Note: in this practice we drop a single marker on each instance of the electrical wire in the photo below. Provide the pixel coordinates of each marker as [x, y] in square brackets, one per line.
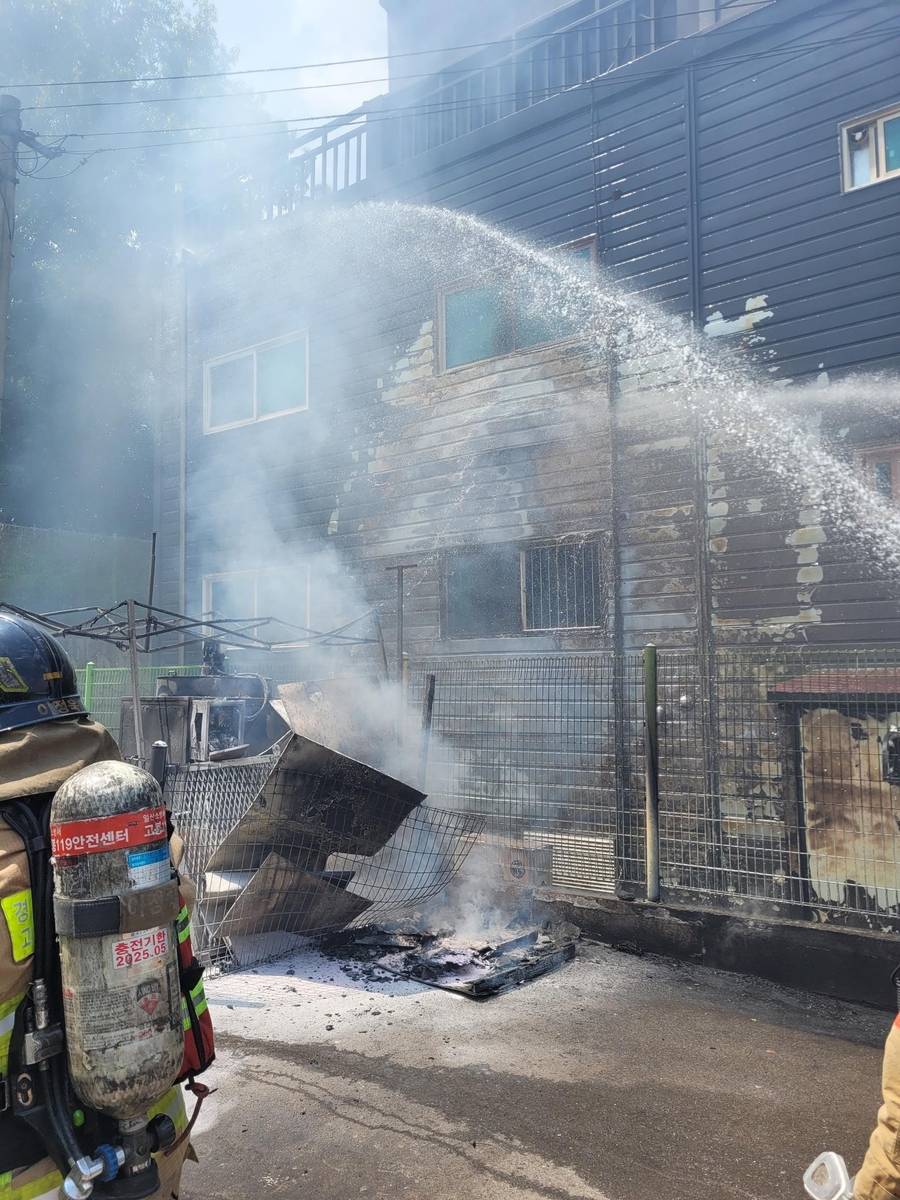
[344, 62]
[313, 124]
[312, 87]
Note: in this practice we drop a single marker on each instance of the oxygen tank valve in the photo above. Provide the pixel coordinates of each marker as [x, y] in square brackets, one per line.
[79, 1183]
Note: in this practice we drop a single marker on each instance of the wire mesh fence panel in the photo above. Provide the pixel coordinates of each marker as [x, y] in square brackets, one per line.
[109, 686]
[302, 843]
[780, 781]
[544, 749]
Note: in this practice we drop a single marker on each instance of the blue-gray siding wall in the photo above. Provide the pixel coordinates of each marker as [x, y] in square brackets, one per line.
[711, 172]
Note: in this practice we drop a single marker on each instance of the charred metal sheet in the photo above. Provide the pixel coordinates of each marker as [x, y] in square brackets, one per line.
[484, 969]
[331, 713]
[317, 800]
[282, 897]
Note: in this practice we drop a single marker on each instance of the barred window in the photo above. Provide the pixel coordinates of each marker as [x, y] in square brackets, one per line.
[561, 587]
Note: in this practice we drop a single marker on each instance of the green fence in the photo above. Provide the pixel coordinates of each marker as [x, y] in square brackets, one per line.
[103, 688]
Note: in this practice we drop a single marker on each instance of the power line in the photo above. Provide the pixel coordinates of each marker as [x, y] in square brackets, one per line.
[429, 107]
[341, 62]
[314, 87]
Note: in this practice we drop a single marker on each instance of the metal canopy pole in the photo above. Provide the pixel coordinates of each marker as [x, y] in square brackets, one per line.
[402, 678]
[135, 685]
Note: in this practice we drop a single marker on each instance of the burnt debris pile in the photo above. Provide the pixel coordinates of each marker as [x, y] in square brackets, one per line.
[476, 967]
[306, 839]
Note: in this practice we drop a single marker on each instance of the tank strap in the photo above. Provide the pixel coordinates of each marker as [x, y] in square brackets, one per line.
[128, 913]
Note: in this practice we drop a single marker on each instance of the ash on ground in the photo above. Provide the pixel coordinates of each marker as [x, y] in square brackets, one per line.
[477, 968]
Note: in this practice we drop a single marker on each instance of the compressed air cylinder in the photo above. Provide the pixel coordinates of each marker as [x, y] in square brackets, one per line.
[115, 902]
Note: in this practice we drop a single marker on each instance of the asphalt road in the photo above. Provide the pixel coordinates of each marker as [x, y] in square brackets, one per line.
[614, 1078]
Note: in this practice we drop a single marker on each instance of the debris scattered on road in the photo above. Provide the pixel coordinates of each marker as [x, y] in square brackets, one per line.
[478, 968]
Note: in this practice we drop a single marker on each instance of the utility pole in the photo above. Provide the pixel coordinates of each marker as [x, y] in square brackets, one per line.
[11, 136]
[10, 132]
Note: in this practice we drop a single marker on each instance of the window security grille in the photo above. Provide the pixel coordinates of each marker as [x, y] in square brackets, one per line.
[561, 587]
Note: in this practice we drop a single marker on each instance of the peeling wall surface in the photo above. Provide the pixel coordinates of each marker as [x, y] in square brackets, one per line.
[851, 812]
[712, 186]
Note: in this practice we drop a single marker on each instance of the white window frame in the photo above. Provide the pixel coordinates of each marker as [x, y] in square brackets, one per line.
[463, 285]
[877, 154]
[255, 575]
[865, 458]
[247, 351]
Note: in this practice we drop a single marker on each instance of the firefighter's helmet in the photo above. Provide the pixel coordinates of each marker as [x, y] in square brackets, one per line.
[37, 680]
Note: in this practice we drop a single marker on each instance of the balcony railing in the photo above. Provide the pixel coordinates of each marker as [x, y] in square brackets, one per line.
[539, 65]
[530, 66]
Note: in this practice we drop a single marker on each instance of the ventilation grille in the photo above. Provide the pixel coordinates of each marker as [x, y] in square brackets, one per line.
[586, 863]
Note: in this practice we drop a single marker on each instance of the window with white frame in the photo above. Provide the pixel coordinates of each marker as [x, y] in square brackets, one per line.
[881, 467]
[274, 601]
[514, 310]
[870, 148]
[257, 383]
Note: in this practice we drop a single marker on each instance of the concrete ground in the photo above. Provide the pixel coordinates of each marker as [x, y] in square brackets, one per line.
[614, 1077]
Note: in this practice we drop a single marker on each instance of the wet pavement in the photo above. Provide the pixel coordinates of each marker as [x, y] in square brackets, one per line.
[613, 1078]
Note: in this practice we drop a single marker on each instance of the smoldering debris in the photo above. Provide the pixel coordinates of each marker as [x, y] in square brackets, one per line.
[477, 968]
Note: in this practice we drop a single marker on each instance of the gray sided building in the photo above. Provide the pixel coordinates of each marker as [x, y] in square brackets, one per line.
[717, 175]
[332, 413]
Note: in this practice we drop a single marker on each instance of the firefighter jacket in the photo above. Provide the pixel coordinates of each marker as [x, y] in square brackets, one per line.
[35, 761]
[879, 1176]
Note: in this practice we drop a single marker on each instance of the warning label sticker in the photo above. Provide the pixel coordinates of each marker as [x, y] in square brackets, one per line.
[140, 948]
[148, 996]
[10, 679]
[146, 868]
[70, 839]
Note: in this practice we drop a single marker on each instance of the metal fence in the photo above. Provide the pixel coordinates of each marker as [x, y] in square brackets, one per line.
[104, 688]
[285, 849]
[778, 774]
[544, 748]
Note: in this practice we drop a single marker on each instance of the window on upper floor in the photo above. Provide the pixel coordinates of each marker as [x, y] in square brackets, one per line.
[263, 381]
[277, 596]
[514, 311]
[870, 149]
[881, 467]
[503, 590]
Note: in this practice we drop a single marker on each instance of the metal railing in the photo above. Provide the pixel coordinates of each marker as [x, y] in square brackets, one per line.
[777, 772]
[534, 68]
[513, 74]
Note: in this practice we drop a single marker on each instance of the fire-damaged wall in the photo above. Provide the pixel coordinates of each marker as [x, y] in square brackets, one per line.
[709, 185]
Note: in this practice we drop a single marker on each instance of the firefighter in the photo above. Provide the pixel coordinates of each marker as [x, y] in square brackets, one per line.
[879, 1176]
[46, 736]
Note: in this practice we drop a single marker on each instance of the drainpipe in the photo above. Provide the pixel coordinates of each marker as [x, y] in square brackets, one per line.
[651, 769]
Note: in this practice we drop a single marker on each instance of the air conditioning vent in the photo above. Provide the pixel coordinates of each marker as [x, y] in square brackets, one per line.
[584, 862]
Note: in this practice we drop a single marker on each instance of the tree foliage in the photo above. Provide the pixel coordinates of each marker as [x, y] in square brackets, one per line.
[94, 236]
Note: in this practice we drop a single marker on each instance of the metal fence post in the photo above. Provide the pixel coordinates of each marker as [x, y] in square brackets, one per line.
[651, 769]
[89, 687]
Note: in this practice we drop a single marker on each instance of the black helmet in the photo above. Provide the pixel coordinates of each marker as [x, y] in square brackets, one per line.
[37, 680]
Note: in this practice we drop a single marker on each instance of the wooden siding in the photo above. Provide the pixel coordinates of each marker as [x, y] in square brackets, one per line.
[709, 180]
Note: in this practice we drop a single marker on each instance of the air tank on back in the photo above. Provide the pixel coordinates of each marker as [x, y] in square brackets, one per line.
[115, 902]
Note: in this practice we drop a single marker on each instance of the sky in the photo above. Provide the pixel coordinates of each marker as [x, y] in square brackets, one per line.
[276, 33]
